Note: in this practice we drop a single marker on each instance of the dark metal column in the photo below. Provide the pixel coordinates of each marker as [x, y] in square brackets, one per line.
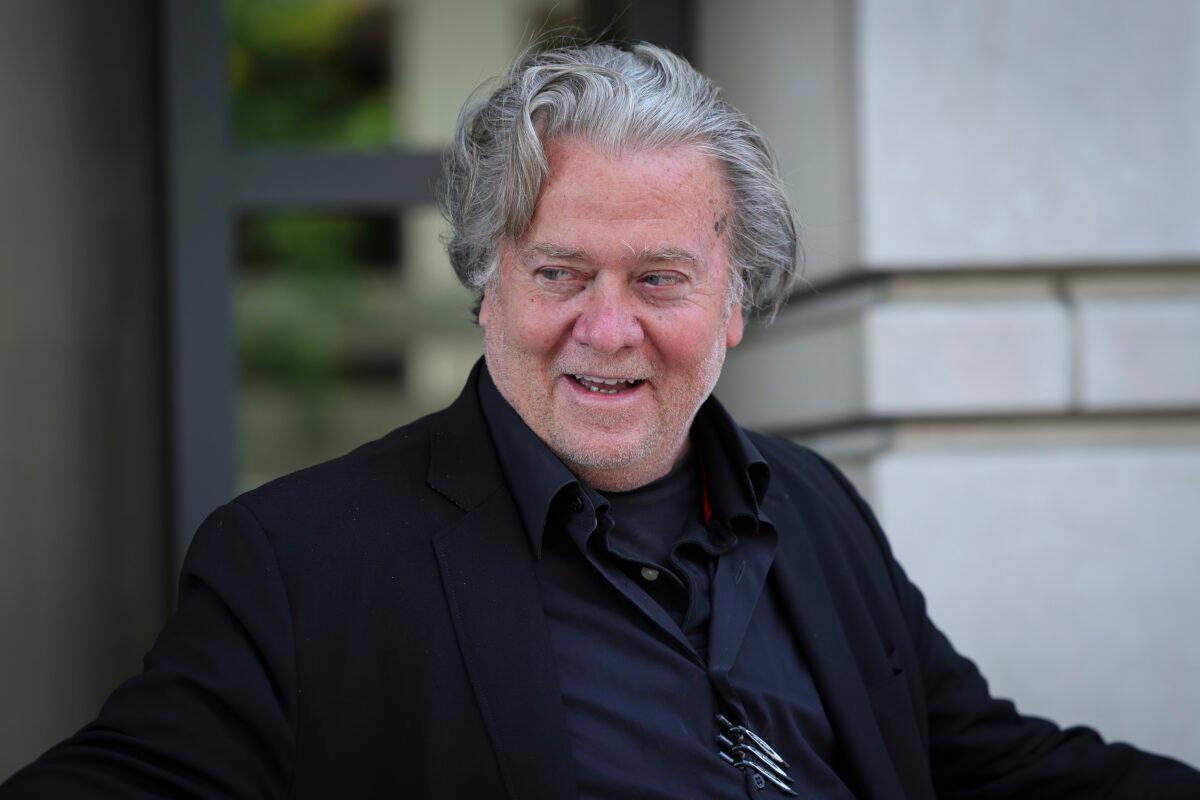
[666, 23]
[200, 360]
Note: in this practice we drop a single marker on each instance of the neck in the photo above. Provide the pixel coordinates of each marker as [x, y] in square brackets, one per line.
[633, 476]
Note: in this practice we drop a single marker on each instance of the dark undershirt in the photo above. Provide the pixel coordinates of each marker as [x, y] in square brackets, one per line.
[660, 540]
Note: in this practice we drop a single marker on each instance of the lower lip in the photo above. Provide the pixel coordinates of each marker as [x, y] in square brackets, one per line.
[623, 396]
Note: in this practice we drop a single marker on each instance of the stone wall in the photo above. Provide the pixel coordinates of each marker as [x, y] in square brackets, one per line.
[1000, 340]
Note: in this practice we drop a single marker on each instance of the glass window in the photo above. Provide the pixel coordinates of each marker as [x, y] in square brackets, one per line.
[344, 331]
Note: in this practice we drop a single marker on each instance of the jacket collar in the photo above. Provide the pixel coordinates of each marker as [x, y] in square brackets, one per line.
[463, 465]
[487, 572]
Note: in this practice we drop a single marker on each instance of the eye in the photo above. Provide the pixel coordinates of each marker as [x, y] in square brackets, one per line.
[559, 280]
[662, 280]
[553, 274]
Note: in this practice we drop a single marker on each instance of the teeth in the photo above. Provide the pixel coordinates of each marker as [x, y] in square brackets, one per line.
[604, 381]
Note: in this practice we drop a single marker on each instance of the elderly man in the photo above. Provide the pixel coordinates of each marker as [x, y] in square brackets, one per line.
[582, 578]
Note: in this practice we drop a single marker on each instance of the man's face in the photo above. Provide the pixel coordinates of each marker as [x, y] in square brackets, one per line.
[622, 277]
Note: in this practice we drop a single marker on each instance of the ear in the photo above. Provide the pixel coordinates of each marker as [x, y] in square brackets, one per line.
[485, 305]
[735, 327]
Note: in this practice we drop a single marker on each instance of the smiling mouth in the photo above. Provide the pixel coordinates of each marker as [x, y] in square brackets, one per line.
[606, 385]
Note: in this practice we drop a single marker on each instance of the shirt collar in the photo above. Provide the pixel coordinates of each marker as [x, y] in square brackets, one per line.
[534, 474]
[736, 475]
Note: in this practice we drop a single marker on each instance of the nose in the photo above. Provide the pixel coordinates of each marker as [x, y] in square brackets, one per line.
[608, 321]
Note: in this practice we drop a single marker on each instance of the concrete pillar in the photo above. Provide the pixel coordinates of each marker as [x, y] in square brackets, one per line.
[82, 547]
[1000, 213]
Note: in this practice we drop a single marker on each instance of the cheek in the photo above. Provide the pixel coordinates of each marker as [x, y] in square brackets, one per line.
[681, 347]
[535, 331]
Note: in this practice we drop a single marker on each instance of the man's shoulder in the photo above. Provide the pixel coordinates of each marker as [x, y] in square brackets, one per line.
[382, 482]
[807, 484]
[796, 465]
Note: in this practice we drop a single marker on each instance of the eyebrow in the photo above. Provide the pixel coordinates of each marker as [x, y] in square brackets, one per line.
[667, 254]
[551, 250]
[554, 251]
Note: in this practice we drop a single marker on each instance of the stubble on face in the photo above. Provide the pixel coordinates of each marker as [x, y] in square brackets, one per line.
[621, 464]
[652, 455]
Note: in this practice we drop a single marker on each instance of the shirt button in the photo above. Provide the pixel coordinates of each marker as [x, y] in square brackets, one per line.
[577, 504]
[649, 573]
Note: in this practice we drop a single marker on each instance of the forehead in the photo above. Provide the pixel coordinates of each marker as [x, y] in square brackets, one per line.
[677, 187]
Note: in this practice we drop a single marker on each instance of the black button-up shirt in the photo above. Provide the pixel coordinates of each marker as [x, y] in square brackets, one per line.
[660, 617]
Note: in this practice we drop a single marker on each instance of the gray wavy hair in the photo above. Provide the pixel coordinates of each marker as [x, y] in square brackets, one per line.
[642, 96]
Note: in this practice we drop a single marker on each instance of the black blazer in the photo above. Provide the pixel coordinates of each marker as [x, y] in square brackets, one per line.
[371, 627]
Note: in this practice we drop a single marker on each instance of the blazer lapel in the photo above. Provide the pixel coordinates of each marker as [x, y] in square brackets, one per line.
[818, 629]
[487, 569]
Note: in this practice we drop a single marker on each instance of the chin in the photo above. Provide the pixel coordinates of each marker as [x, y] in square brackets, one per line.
[599, 451]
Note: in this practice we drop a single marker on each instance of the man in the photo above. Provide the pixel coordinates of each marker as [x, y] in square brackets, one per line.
[582, 578]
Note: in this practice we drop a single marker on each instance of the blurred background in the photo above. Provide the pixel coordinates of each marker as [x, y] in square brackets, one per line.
[220, 262]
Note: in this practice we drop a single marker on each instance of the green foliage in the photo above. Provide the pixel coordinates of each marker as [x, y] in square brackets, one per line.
[309, 72]
[301, 244]
[308, 265]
